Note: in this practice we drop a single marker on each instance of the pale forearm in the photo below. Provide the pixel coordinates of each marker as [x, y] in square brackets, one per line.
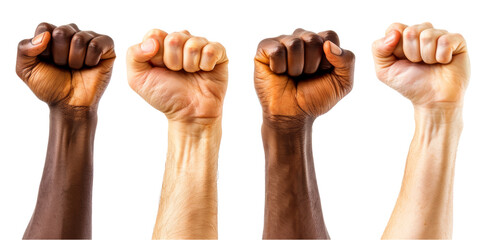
[188, 205]
[424, 207]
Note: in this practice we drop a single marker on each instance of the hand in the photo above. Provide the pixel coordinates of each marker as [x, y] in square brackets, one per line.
[181, 75]
[303, 75]
[428, 66]
[66, 66]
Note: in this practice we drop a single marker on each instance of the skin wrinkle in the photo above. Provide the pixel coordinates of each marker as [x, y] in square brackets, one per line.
[64, 203]
[290, 105]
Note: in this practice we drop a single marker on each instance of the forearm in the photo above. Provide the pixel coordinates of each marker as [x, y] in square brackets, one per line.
[424, 208]
[188, 205]
[292, 203]
[63, 207]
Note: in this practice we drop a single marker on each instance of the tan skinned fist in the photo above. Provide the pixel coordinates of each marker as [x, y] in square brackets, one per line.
[303, 75]
[182, 75]
[428, 66]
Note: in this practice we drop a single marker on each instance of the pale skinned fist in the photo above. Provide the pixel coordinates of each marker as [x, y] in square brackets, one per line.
[428, 66]
[66, 66]
[303, 75]
[181, 75]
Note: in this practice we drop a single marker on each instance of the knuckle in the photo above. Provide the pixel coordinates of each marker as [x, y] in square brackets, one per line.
[427, 35]
[395, 25]
[411, 32]
[277, 51]
[209, 50]
[192, 49]
[73, 25]
[44, 25]
[94, 46]
[59, 33]
[174, 39]
[201, 39]
[263, 43]
[331, 33]
[427, 24]
[313, 40]
[444, 41]
[293, 42]
[157, 32]
[107, 40]
[22, 43]
[218, 45]
[460, 37]
[79, 40]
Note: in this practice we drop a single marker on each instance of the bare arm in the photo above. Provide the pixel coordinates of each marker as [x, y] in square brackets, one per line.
[188, 205]
[430, 67]
[70, 78]
[64, 203]
[292, 202]
[425, 203]
[298, 77]
[185, 77]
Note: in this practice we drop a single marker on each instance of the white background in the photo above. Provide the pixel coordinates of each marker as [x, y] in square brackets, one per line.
[360, 146]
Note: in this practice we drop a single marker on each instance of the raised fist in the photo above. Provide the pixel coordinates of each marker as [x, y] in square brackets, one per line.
[428, 66]
[303, 75]
[64, 65]
[181, 75]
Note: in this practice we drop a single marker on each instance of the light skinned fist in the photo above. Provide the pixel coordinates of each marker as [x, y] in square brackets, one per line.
[303, 75]
[182, 75]
[66, 66]
[428, 66]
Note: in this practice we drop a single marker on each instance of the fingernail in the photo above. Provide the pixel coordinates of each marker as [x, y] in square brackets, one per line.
[148, 46]
[38, 39]
[389, 38]
[335, 49]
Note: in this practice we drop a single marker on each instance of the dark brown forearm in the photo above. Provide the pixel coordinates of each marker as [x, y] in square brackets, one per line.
[292, 202]
[64, 201]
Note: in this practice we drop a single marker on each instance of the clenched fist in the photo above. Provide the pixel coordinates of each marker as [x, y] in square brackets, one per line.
[181, 75]
[428, 66]
[66, 66]
[303, 75]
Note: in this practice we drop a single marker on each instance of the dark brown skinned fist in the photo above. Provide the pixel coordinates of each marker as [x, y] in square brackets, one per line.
[303, 75]
[66, 66]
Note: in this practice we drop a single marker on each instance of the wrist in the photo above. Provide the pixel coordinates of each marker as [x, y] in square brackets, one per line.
[287, 124]
[73, 113]
[287, 144]
[193, 148]
[439, 114]
[196, 130]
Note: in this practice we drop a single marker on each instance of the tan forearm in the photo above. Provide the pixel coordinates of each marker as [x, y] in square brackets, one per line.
[188, 205]
[424, 206]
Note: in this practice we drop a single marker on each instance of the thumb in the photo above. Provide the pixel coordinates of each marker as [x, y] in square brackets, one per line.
[137, 60]
[342, 60]
[28, 50]
[383, 49]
